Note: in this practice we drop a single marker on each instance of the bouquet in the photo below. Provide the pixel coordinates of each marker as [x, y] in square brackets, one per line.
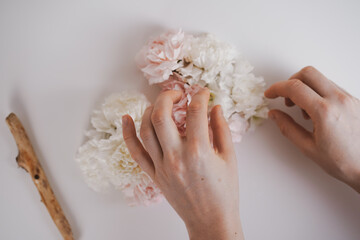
[179, 61]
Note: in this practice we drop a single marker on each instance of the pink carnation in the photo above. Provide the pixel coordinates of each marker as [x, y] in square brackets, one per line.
[144, 193]
[160, 57]
[176, 82]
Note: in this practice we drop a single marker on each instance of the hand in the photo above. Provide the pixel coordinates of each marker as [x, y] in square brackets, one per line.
[199, 181]
[334, 143]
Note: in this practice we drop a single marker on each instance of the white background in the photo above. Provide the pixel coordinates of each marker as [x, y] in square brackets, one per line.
[59, 59]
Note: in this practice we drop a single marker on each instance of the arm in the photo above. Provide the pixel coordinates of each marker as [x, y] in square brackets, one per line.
[334, 144]
[199, 181]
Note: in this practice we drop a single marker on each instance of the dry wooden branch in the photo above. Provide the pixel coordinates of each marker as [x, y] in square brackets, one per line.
[28, 161]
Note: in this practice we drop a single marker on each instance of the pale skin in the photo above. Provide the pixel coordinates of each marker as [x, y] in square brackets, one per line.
[200, 181]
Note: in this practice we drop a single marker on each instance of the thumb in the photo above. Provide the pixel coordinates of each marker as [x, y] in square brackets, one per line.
[221, 133]
[302, 138]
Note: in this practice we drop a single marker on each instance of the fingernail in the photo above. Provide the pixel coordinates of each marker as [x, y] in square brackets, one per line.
[272, 116]
[124, 120]
[220, 110]
[265, 93]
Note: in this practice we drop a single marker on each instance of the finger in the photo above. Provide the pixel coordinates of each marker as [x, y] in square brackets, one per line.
[299, 93]
[161, 118]
[148, 136]
[293, 131]
[315, 80]
[137, 151]
[197, 125]
[222, 139]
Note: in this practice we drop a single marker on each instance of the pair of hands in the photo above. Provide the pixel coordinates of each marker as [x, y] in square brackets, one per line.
[201, 181]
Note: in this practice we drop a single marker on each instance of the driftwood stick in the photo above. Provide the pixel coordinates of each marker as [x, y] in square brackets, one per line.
[28, 161]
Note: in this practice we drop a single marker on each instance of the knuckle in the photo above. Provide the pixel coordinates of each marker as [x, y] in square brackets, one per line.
[284, 129]
[177, 168]
[343, 99]
[328, 113]
[170, 156]
[195, 149]
[323, 108]
[157, 118]
[174, 162]
[166, 95]
[205, 92]
[195, 107]
[127, 136]
[135, 155]
[308, 70]
[295, 84]
[149, 109]
[145, 134]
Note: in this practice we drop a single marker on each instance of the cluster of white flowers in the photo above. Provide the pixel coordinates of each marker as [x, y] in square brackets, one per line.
[105, 160]
[206, 61]
[180, 61]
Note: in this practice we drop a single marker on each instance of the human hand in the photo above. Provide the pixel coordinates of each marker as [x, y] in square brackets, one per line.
[334, 143]
[199, 181]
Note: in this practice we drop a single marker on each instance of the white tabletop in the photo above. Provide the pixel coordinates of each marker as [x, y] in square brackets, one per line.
[59, 59]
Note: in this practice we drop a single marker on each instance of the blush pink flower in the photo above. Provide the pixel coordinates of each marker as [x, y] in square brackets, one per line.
[176, 82]
[161, 56]
[145, 192]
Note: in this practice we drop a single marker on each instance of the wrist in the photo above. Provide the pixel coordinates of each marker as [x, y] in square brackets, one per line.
[225, 228]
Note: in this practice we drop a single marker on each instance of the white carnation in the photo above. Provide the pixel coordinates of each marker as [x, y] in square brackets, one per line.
[247, 94]
[108, 118]
[105, 160]
[106, 163]
[238, 126]
[218, 66]
[213, 56]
